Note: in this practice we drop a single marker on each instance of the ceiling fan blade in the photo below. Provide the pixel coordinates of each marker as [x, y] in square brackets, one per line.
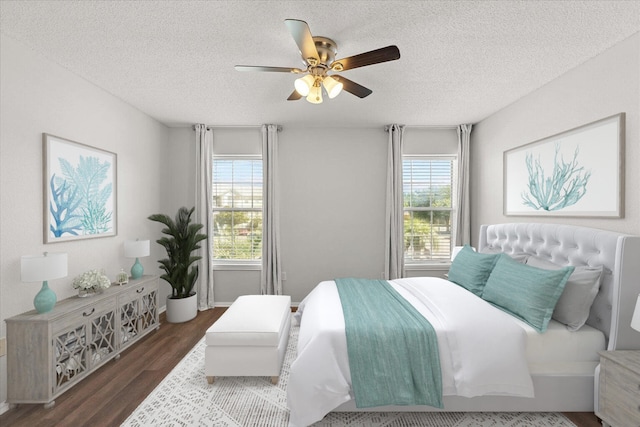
[263, 68]
[384, 54]
[302, 35]
[353, 87]
[294, 96]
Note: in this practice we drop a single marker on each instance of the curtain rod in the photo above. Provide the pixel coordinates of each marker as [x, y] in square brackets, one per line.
[235, 127]
[386, 127]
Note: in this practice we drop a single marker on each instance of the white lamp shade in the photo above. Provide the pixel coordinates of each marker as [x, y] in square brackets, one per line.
[38, 268]
[332, 86]
[315, 95]
[304, 84]
[136, 248]
[635, 320]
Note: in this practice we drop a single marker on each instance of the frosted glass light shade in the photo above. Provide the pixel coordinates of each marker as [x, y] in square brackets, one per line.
[136, 248]
[332, 86]
[304, 84]
[38, 268]
[635, 320]
[315, 95]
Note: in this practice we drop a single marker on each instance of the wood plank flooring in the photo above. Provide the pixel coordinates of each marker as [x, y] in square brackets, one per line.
[108, 396]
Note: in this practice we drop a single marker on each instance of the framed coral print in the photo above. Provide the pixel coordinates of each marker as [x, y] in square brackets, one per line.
[79, 191]
[577, 173]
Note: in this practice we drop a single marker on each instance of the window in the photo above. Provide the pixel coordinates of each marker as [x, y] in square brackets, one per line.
[428, 183]
[237, 209]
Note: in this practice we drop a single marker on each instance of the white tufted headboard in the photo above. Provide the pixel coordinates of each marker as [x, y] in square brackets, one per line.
[619, 254]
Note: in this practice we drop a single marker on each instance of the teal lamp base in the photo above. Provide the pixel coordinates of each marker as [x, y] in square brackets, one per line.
[137, 270]
[45, 300]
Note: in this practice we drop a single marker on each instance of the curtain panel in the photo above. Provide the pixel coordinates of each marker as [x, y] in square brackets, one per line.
[463, 217]
[204, 200]
[271, 280]
[394, 226]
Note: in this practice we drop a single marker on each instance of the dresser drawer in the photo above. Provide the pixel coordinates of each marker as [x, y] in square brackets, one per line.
[80, 316]
[621, 394]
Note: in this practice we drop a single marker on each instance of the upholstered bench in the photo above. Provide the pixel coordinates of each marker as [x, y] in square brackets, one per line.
[250, 338]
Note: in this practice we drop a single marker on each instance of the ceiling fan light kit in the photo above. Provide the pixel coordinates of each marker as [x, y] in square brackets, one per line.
[318, 54]
[304, 84]
[332, 86]
[315, 95]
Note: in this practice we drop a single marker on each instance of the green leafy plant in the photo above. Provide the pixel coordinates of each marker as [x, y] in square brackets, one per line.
[182, 239]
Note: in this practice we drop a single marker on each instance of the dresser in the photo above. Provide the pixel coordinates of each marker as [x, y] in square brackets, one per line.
[49, 353]
[619, 388]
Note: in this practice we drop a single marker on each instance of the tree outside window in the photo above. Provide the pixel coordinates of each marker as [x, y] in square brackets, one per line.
[237, 209]
[427, 184]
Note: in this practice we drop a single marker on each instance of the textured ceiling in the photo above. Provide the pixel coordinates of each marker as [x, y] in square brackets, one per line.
[460, 60]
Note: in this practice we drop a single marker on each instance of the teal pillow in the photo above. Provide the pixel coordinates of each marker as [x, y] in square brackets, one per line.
[527, 292]
[471, 269]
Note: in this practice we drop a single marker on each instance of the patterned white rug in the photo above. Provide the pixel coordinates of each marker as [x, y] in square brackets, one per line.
[184, 398]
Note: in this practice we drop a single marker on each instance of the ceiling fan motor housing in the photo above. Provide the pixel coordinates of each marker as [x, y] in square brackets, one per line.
[327, 50]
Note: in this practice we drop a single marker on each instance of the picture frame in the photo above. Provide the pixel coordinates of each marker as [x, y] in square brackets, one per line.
[80, 190]
[576, 173]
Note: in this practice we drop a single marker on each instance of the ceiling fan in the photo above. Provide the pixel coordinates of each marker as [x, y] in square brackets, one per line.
[318, 55]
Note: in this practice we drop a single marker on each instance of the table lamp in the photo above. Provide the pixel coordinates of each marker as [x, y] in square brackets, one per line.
[136, 249]
[635, 320]
[36, 268]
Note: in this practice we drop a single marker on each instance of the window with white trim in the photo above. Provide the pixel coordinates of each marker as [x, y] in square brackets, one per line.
[428, 186]
[237, 209]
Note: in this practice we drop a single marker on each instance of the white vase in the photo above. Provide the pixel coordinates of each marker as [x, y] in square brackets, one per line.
[181, 310]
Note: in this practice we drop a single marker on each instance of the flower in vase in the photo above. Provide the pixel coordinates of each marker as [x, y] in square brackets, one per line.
[91, 280]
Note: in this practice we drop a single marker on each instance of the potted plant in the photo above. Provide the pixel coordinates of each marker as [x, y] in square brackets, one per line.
[182, 239]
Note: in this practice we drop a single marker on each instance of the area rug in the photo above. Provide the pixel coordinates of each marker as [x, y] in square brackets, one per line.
[184, 398]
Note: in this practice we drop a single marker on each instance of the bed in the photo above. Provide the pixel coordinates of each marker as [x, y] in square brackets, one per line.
[561, 365]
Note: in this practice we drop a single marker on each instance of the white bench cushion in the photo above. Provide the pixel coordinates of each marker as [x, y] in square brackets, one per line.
[252, 320]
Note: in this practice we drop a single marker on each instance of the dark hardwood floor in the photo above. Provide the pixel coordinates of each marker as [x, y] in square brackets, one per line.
[109, 395]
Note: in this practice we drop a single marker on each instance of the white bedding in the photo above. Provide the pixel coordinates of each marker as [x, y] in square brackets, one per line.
[560, 351]
[482, 349]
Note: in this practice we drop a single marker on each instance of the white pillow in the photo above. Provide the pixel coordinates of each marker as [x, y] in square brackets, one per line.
[521, 257]
[579, 292]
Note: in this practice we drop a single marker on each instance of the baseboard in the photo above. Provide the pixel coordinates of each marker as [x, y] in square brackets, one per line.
[4, 407]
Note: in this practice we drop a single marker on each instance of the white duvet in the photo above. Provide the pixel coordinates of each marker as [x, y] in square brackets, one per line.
[482, 349]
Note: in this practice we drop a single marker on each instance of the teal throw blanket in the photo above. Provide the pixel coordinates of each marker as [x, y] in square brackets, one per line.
[392, 348]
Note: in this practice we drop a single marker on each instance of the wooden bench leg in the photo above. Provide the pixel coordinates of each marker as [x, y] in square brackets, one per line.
[274, 380]
[210, 380]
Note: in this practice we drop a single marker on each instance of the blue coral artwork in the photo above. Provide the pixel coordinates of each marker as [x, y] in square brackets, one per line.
[562, 186]
[80, 189]
[574, 173]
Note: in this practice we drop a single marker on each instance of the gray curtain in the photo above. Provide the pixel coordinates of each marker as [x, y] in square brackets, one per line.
[463, 216]
[204, 170]
[271, 281]
[394, 225]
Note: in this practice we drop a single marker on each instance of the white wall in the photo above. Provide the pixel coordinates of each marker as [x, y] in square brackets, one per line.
[605, 85]
[332, 205]
[39, 96]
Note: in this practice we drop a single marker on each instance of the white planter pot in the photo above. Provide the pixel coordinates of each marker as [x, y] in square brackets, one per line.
[182, 309]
